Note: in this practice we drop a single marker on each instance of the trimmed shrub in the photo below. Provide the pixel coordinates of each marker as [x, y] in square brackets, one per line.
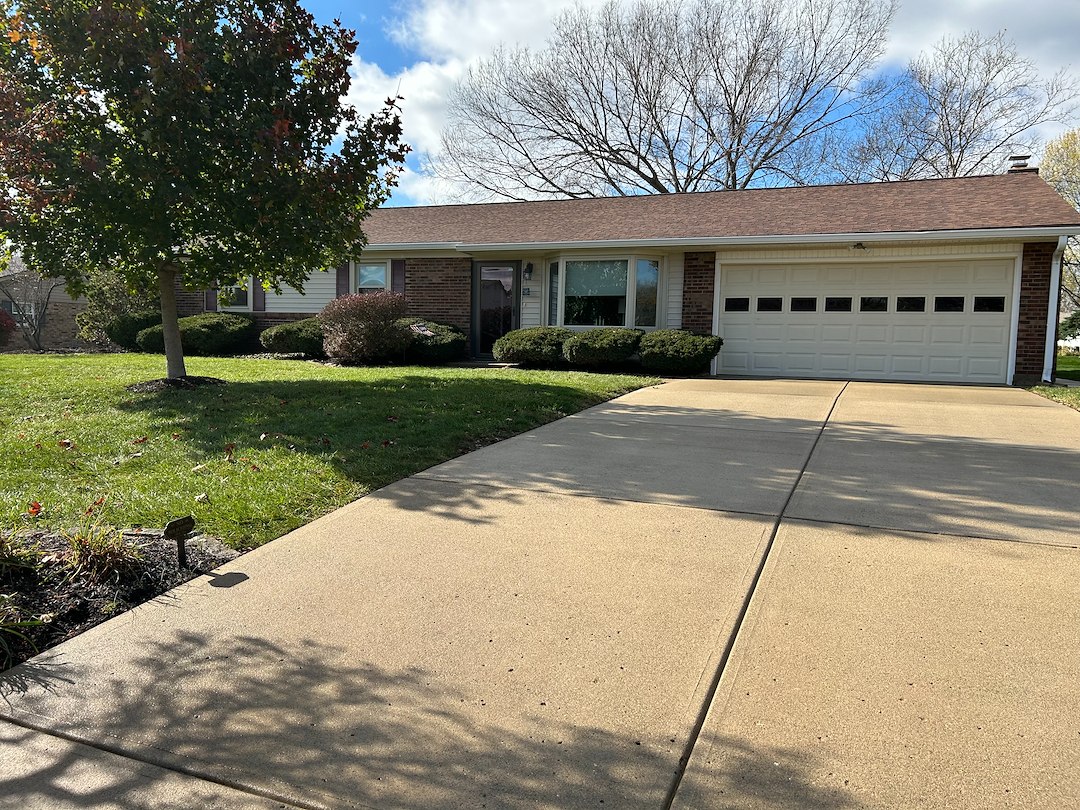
[211, 333]
[123, 330]
[7, 327]
[602, 347]
[674, 351]
[534, 346]
[432, 342]
[365, 328]
[296, 337]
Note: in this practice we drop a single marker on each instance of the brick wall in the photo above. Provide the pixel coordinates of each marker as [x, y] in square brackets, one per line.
[58, 332]
[1034, 300]
[440, 289]
[189, 302]
[699, 275]
[265, 320]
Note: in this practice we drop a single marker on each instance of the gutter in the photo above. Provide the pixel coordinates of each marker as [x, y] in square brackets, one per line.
[1021, 234]
[1050, 354]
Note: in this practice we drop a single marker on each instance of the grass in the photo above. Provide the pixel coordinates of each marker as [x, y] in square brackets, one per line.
[283, 443]
[1068, 367]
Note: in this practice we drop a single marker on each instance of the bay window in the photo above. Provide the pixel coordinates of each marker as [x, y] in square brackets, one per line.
[622, 291]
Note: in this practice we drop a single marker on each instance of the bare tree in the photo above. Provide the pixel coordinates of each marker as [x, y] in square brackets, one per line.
[26, 295]
[1061, 169]
[660, 97]
[960, 109]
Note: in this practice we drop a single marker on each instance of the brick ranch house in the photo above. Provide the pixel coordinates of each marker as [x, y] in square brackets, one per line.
[952, 280]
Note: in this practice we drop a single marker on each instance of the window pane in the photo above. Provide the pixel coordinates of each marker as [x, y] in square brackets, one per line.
[838, 305]
[236, 297]
[595, 293]
[949, 303]
[648, 278]
[553, 294]
[911, 303]
[989, 303]
[803, 304]
[874, 303]
[371, 276]
[770, 305]
[736, 305]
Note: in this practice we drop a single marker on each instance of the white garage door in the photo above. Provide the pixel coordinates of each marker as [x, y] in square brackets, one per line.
[947, 321]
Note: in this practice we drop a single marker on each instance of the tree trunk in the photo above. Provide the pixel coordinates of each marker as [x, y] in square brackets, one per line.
[174, 351]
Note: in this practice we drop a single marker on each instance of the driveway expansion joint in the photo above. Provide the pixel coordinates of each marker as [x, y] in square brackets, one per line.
[740, 619]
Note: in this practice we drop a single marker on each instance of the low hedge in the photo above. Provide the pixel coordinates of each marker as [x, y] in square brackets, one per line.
[533, 346]
[602, 347]
[123, 330]
[211, 333]
[433, 343]
[674, 351]
[295, 337]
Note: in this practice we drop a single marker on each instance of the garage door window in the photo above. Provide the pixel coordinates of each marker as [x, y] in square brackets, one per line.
[949, 303]
[873, 303]
[770, 305]
[911, 303]
[838, 305]
[736, 305]
[989, 303]
[804, 305]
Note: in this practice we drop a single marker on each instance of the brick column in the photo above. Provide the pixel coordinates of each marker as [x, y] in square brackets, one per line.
[440, 289]
[699, 276]
[1034, 302]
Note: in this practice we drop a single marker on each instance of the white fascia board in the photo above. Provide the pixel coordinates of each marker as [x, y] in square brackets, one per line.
[405, 247]
[1053, 232]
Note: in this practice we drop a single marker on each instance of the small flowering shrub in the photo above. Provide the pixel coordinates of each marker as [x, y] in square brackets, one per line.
[7, 328]
[365, 329]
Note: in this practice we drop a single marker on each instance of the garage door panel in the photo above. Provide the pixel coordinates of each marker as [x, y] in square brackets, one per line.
[872, 344]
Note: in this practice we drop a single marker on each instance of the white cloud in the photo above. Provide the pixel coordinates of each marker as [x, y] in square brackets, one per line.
[449, 35]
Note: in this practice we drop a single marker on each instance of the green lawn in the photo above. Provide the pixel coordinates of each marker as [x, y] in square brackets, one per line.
[283, 443]
[1068, 366]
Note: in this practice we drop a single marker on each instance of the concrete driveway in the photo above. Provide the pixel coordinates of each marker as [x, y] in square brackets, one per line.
[709, 594]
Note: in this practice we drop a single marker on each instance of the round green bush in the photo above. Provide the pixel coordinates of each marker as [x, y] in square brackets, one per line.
[535, 346]
[673, 351]
[602, 347]
[364, 328]
[295, 337]
[123, 330]
[432, 342]
[211, 333]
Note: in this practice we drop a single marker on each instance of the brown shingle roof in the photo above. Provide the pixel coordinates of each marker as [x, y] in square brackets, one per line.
[1018, 200]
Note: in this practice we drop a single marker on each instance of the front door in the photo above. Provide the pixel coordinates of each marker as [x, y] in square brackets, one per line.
[495, 291]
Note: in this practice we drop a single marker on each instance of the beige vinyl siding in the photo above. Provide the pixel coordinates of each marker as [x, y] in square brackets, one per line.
[320, 290]
[671, 316]
[532, 305]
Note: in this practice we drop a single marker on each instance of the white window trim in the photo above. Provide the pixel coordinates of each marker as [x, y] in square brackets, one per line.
[249, 286]
[22, 312]
[631, 260]
[354, 274]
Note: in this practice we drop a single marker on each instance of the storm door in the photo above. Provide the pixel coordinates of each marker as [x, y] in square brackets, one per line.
[495, 303]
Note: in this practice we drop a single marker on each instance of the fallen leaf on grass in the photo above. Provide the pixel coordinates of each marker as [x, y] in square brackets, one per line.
[202, 497]
[141, 440]
[67, 444]
[365, 445]
[176, 436]
[392, 418]
[229, 448]
[198, 467]
[35, 509]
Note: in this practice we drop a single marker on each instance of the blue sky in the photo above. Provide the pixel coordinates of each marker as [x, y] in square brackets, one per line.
[420, 48]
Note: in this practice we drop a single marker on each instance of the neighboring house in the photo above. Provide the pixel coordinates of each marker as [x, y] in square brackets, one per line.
[42, 309]
[943, 280]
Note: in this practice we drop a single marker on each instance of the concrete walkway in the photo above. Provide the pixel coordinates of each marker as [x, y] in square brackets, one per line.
[710, 594]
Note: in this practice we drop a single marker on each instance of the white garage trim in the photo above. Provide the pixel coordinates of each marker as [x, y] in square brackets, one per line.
[714, 366]
[1014, 328]
[1052, 311]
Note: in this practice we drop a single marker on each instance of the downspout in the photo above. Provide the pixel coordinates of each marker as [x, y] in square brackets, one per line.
[1050, 355]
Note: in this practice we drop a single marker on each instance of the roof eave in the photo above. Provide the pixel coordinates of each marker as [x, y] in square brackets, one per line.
[967, 234]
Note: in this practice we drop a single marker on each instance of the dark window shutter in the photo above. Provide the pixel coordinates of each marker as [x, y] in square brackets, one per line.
[397, 276]
[258, 296]
[344, 286]
[210, 305]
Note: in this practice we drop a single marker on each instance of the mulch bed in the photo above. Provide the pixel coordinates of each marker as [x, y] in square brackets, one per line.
[167, 383]
[74, 603]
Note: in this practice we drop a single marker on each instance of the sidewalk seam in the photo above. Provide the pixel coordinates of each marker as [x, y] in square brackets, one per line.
[740, 619]
[120, 751]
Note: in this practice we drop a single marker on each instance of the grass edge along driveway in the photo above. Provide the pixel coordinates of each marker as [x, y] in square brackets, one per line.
[281, 444]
